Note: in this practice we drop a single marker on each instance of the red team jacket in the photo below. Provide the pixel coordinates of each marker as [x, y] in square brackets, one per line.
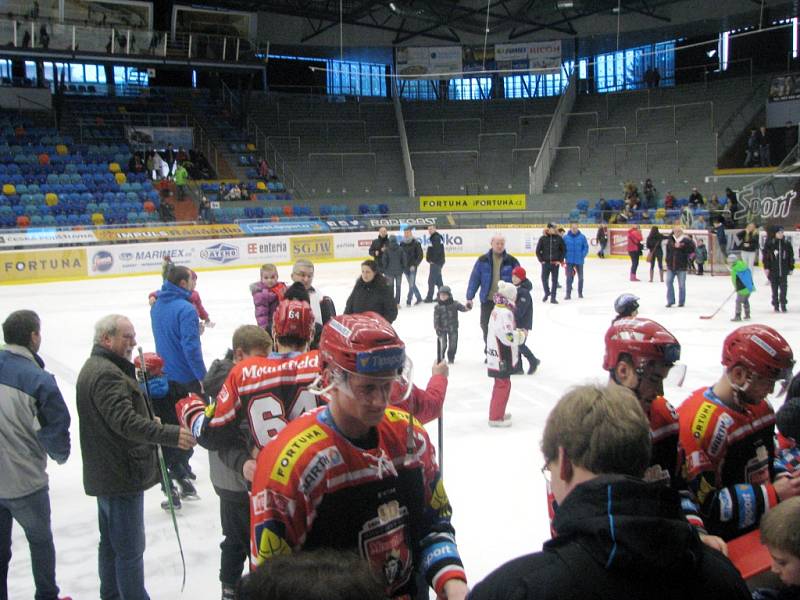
[261, 394]
[729, 461]
[316, 488]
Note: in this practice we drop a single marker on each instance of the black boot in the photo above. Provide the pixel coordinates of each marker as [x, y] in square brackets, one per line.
[176, 500]
[534, 364]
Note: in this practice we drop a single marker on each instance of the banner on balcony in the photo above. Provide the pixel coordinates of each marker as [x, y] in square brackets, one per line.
[159, 137]
[435, 62]
[529, 56]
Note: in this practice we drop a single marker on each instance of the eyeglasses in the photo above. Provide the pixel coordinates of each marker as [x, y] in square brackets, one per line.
[546, 473]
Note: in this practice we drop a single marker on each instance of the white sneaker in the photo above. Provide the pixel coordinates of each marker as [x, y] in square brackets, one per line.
[503, 423]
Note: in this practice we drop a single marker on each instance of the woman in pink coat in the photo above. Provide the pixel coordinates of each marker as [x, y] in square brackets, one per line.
[634, 249]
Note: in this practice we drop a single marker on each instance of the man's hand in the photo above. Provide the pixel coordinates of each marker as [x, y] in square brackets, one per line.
[186, 440]
[249, 469]
[787, 487]
[455, 589]
[151, 300]
[468, 304]
[715, 542]
[440, 368]
[412, 268]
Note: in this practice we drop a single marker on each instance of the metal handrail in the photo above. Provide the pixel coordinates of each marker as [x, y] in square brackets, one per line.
[647, 152]
[675, 108]
[624, 129]
[342, 155]
[555, 149]
[284, 171]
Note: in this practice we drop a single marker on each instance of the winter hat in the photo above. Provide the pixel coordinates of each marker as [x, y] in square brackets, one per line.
[788, 419]
[507, 290]
[445, 289]
[732, 257]
[519, 272]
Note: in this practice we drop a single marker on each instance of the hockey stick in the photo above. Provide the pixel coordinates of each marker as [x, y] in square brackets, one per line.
[440, 425]
[719, 308]
[165, 480]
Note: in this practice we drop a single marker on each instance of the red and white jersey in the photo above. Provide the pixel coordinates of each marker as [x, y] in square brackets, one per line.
[315, 488]
[502, 340]
[265, 393]
[728, 461]
[665, 460]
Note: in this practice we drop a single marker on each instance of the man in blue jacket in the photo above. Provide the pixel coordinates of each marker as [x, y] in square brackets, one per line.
[577, 249]
[176, 329]
[35, 425]
[490, 268]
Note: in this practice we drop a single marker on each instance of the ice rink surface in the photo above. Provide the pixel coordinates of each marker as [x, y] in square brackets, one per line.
[491, 475]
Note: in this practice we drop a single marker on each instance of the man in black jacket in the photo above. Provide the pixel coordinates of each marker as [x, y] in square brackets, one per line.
[378, 245]
[412, 250]
[778, 259]
[616, 535]
[551, 252]
[118, 448]
[435, 257]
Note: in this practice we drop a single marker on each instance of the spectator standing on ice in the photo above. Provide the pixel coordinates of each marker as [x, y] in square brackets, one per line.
[435, 258]
[550, 250]
[634, 249]
[577, 247]
[679, 248]
[412, 251]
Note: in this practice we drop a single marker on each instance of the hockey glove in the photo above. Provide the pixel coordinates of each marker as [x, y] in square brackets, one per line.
[189, 409]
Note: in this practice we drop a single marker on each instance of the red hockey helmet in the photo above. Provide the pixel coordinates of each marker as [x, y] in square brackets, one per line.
[363, 343]
[153, 364]
[761, 350]
[293, 318]
[643, 339]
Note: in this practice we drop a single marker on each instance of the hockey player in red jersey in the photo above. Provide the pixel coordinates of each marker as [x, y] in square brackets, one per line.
[640, 353]
[727, 433]
[260, 395]
[358, 474]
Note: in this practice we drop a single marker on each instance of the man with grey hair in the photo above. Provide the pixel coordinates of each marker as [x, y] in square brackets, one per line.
[118, 447]
[495, 265]
[322, 306]
[35, 425]
[617, 536]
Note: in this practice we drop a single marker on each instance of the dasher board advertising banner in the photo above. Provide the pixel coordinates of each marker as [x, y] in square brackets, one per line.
[434, 61]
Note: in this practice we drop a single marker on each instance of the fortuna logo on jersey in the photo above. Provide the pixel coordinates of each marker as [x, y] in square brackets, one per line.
[293, 450]
[702, 419]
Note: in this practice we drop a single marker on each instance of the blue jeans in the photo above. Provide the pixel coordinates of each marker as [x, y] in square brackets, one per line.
[33, 514]
[434, 279]
[397, 280]
[121, 552]
[681, 275]
[572, 269]
[411, 278]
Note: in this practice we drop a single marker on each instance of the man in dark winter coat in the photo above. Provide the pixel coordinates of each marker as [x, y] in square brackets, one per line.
[378, 245]
[523, 317]
[778, 259]
[118, 448]
[445, 324]
[435, 257]
[371, 293]
[616, 535]
[679, 247]
[490, 268]
[551, 252]
[412, 250]
[393, 265]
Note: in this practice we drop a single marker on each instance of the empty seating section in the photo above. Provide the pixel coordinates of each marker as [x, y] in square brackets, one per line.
[475, 147]
[667, 134]
[337, 148]
[49, 180]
